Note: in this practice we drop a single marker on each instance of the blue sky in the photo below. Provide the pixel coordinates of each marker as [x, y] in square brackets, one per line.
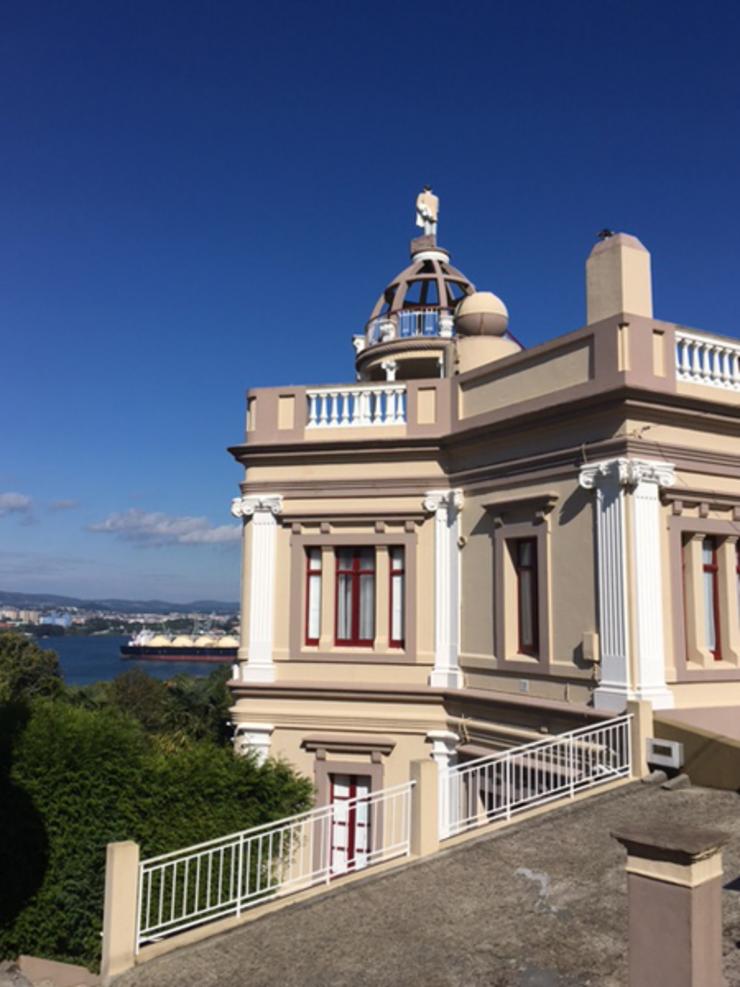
[200, 197]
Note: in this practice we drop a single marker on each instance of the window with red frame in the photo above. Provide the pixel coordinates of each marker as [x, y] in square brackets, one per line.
[396, 594]
[355, 605]
[525, 565]
[313, 595]
[710, 575]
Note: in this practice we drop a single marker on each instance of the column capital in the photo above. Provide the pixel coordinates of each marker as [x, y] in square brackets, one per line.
[436, 500]
[627, 472]
[246, 506]
[444, 743]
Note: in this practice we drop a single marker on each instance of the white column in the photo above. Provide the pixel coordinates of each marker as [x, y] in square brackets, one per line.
[613, 481]
[646, 478]
[446, 506]
[444, 754]
[253, 738]
[259, 573]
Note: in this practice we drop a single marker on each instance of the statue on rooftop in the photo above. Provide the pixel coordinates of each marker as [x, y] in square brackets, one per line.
[427, 210]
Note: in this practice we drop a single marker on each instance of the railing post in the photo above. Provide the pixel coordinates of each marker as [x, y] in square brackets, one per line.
[425, 822]
[571, 768]
[640, 728]
[240, 875]
[507, 785]
[120, 911]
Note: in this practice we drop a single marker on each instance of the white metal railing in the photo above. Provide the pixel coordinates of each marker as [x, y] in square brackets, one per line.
[225, 876]
[356, 405]
[408, 322]
[707, 360]
[498, 786]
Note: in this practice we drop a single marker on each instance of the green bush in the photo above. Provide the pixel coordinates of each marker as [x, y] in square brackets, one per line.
[27, 671]
[76, 779]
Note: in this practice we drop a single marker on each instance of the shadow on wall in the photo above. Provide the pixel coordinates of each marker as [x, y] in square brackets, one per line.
[24, 847]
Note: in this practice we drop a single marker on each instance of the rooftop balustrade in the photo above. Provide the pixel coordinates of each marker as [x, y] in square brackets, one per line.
[707, 360]
[362, 405]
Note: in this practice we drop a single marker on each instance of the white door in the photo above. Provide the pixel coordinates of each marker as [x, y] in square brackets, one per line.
[350, 831]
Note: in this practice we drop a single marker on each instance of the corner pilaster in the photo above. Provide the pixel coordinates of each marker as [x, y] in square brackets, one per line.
[618, 482]
[258, 584]
[446, 506]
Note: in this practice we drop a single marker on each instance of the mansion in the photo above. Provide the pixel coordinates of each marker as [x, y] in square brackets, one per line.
[475, 544]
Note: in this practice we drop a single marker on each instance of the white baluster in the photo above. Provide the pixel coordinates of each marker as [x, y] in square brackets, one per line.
[380, 395]
[345, 408]
[311, 409]
[401, 408]
[686, 358]
[390, 408]
[361, 409]
[323, 415]
[696, 359]
[334, 408]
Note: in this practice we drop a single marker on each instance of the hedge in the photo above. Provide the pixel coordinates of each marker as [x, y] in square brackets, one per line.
[74, 779]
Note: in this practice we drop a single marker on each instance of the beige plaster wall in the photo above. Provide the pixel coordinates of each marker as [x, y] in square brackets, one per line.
[544, 374]
[571, 576]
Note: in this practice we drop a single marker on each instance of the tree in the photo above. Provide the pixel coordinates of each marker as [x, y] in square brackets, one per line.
[26, 671]
[143, 697]
[80, 778]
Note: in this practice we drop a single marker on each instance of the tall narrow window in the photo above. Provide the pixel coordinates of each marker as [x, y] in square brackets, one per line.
[355, 596]
[397, 588]
[313, 595]
[525, 563]
[710, 571]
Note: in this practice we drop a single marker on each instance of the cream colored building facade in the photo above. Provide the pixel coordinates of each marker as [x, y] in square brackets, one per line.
[476, 544]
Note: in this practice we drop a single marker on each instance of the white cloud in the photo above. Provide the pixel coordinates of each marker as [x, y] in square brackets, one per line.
[14, 503]
[156, 528]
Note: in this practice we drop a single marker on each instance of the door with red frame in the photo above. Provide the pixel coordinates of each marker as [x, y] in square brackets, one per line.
[350, 826]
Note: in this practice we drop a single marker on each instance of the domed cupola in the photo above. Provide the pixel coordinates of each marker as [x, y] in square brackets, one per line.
[414, 327]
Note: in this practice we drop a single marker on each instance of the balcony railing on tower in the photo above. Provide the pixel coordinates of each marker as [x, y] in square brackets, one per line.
[357, 405]
[410, 323]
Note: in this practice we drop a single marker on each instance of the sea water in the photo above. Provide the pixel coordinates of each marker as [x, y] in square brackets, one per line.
[98, 658]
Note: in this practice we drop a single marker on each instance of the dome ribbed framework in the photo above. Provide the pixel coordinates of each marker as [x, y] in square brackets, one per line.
[430, 281]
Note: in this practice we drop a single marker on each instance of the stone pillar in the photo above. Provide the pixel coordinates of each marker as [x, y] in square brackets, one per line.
[258, 573]
[253, 738]
[614, 481]
[119, 909]
[674, 886]
[425, 808]
[444, 754]
[446, 506]
[641, 727]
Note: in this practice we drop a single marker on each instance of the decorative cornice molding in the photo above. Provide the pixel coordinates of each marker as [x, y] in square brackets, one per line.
[539, 504]
[627, 472]
[245, 507]
[437, 499]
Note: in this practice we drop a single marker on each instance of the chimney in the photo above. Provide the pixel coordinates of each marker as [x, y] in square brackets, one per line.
[618, 278]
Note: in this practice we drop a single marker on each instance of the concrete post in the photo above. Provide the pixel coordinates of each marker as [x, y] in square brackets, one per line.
[674, 885]
[425, 808]
[641, 727]
[119, 916]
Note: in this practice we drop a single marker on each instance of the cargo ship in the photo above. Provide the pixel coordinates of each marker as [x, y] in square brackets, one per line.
[154, 646]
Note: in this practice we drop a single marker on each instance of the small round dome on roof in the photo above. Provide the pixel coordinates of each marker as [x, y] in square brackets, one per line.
[481, 314]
